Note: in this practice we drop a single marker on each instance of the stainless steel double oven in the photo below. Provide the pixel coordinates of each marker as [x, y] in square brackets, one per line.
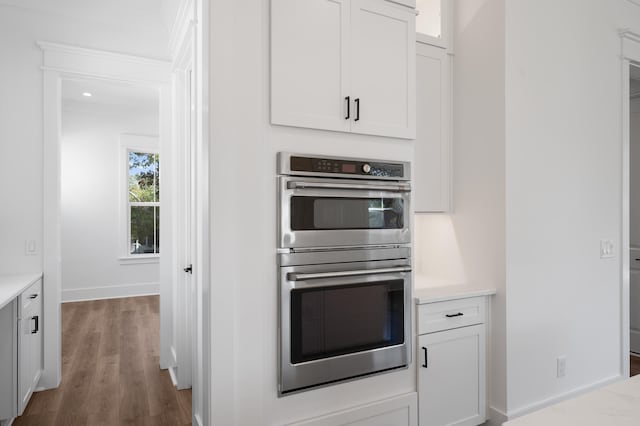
[344, 269]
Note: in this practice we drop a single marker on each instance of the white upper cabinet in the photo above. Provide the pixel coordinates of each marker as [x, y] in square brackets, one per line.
[432, 164]
[383, 77]
[343, 65]
[433, 22]
[310, 63]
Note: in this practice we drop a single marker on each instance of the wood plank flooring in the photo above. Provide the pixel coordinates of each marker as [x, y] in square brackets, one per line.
[110, 370]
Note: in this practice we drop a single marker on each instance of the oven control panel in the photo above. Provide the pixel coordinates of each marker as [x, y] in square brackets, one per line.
[346, 167]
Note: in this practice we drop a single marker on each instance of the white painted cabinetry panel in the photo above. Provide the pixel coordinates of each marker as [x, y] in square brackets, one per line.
[8, 361]
[29, 347]
[343, 65]
[432, 170]
[21, 360]
[451, 362]
[310, 63]
[451, 377]
[383, 77]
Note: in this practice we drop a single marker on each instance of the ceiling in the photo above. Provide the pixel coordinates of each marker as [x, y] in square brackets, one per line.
[129, 13]
[109, 93]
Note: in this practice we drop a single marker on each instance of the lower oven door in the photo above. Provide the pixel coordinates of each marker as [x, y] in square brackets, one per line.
[343, 321]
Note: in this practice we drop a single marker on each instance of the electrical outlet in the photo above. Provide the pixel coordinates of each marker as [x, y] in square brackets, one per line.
[561, 364]
[606, 249]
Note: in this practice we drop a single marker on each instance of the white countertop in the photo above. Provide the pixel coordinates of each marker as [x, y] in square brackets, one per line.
[613, 405]
[12, 285]
[449, 292]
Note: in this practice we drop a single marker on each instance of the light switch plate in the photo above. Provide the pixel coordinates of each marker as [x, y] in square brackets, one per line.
[606, 249]
[30, 248]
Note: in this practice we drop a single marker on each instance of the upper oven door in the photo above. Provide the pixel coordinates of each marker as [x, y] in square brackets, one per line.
[338, 212]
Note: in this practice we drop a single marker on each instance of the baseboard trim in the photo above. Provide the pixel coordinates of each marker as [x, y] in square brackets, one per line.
[110, 292]
[496, 417]
[563, 396]
[172, 374]
[196, 420]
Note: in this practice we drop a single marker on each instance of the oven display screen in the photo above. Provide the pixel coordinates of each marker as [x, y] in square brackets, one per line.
[348, 168]
[337, 320]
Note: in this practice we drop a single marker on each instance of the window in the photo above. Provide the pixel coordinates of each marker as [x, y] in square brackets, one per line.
[143, 207]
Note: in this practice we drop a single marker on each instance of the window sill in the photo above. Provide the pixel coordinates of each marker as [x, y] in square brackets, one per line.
[135, 260]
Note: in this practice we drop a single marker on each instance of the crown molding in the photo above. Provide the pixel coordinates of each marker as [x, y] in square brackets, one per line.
[80, 61]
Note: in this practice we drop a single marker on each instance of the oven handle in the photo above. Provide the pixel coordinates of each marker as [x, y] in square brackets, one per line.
[397, 187]
[291, 276]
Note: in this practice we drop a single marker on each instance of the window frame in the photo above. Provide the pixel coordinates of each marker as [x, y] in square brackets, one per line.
[142, 144]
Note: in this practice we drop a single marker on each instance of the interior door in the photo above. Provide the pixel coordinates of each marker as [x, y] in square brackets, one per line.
[383, 69]
[186, 289]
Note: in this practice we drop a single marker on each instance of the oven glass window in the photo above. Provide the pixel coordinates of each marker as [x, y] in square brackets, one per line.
[338, 320]
[327, 213]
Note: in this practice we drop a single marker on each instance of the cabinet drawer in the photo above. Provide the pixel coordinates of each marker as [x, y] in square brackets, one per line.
[30, 296]
[450, 314]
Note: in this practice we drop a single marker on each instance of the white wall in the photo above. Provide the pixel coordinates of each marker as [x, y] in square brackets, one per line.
[21, 114]
[563, 175]
[92, 185]
[243, 220]
[479, 166]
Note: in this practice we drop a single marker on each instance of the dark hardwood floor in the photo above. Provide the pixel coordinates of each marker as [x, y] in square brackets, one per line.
[635, 366]
[110, 370]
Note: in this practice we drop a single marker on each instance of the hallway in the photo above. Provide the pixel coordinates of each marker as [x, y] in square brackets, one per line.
[110, 369]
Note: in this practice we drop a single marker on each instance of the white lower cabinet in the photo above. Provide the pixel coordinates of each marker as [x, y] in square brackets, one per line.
[29, 343]
[452, 365]
[21, 351]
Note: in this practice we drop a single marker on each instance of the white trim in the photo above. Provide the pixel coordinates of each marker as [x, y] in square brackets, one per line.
[202, 400]
[196, 420]
[496, 417]
[172, 374]
[182, 25]
[110, 292]
[407, 402]
[140, 259]
[564, 396]
[630, 44]
[63, 62]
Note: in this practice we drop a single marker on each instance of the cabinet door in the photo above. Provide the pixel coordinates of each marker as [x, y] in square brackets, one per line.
[451, 388]
[29, 353]
[310, 63]
[432, 171]
[383, 77]
[8, 361]
[433, 22]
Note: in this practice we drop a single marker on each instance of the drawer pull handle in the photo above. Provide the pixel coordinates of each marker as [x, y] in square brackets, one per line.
[425, 365]
[33, 296]
[35, 330]
[459, 314]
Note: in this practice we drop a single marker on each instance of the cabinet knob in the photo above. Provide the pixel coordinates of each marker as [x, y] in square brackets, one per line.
[459, 314]
[357, 102]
